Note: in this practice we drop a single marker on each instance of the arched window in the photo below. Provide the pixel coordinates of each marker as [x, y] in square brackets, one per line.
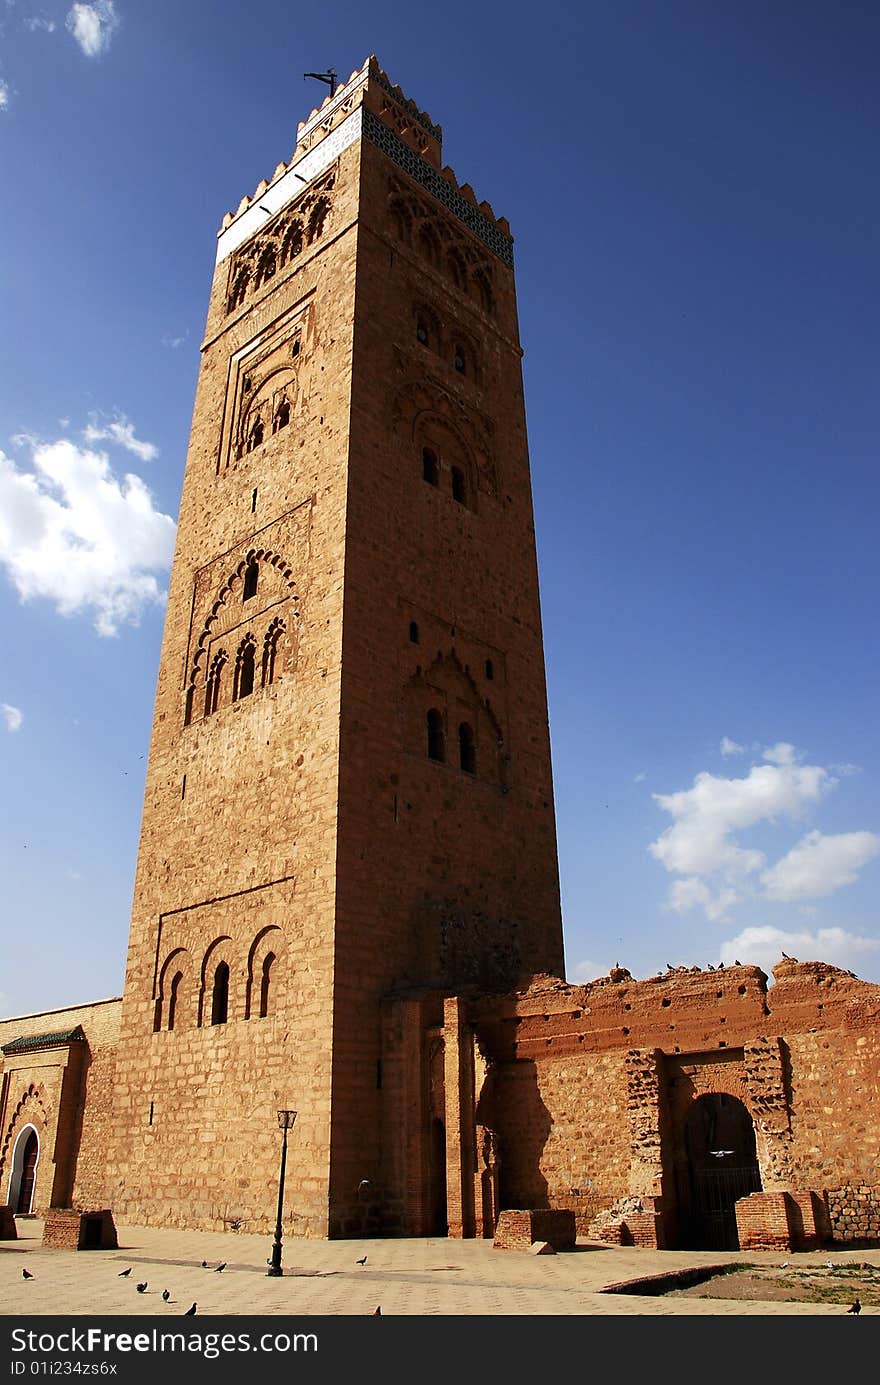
[490, 669]
[244, 670]
[459, 360]
[430, 467]
[212, 687]
[456, 270]
[482, 291]
[317, 219]
[413, 632]
[270, 651]
[268, 963]
[267, 265]
[255, 437]
[467, 751]
[428, 245]
[459, 489]
[220, 995]
[176, 981]
[282, 415]
[251, 577]
[401, 221]
[436, 736]
[292, 243]
[239, 289]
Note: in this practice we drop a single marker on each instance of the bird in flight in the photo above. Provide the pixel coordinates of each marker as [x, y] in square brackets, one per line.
[166, 1294]
[221, 1267]
[142, 1288]
[363, 1262]
[123, 1274]
[190, 1312]
[856, 1308]
[26, 1274]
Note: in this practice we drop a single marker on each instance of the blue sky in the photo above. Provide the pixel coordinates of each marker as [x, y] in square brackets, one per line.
[692, 190]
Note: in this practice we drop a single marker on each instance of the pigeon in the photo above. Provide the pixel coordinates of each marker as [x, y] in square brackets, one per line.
[829, 1264]
[856, 1308]
[190, 1312]
[142, 1288]
[362, 1262]
[166, 1294]
[26, 1274]
[204, 1264]
[378, 1312]
[784, 1265]
[221, 1267]
[123, 1274]
[737, 962]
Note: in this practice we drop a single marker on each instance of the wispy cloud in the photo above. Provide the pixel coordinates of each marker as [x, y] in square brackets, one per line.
[12, 716]
[120, 430]
[640, 777]
[819, 865]
[78, 535]
[4, 95]
[38, 21]
[93, 26]
[172, 343]
[763, 946]
[729, 747]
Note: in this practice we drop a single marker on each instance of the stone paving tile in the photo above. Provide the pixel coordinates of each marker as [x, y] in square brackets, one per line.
[412, 1277]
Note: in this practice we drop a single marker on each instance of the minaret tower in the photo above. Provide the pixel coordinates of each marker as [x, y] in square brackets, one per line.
[349, 791]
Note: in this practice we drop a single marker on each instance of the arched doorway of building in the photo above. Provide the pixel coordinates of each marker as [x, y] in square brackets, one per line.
[24, 1171]
[722, 1166]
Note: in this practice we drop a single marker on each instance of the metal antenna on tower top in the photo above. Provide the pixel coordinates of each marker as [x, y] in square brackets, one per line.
[329, 77]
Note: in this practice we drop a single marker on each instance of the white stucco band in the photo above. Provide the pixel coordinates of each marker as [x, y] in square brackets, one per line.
[289, 185]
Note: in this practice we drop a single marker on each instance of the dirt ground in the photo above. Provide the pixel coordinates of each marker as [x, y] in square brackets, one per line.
[815, 1284]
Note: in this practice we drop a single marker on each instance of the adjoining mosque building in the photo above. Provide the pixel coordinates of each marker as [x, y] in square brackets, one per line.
[347, 896]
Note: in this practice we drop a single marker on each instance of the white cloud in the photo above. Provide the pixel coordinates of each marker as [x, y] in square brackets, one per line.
[819, 865]
[782, 753]
[693, 893]
[93, 26]
[640, 778]
[4, 95]
[12, 716]
[34, 22]
[120, 430]
[699, 841]
[763, 946]
[729, 747]
[73, 532]
[172, 343]
[845, 770]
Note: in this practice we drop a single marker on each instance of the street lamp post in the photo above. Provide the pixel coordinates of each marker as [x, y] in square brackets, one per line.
[285, 1122]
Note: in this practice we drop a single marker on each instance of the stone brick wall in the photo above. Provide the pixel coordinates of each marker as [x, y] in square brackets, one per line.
[854, 1213]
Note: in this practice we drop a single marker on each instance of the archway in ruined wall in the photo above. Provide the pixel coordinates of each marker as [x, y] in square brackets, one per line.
[437, 1179]
[23, 1177]
[722, 1166]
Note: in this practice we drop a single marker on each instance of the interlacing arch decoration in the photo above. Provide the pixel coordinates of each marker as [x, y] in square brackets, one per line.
[417, 223]
[262, 570]
[30, 1110]
[280, 242]
[266, 406]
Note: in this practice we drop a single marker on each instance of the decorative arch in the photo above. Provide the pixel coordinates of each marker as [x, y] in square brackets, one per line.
[267, 264]
[448, 721]
[263, 406]
[245, 668]
[456, 471]
[273, 652]
[274, 568]
[31, 1108]
[428, 244]
[220, 953]
[23, 1173]
[174, 1001]
[292, 243]
[266, 987]
[318, 219]
[401, 219]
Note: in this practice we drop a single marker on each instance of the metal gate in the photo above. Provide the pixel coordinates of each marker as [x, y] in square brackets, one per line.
[714, 1193]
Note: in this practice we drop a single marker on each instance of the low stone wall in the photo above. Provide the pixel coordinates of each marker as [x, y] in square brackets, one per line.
[8, 1230]
[854, 1213]
[519, 1229]
[66, 1228]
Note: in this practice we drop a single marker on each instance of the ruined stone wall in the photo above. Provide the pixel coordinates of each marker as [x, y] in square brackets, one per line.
[67, 1098]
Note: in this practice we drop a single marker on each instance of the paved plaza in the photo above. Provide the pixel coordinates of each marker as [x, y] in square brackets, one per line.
[413, 1277]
